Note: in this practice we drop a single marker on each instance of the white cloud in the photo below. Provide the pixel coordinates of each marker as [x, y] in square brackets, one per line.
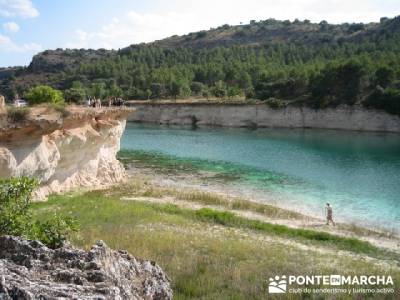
[9, 46]
[184, 16]
[18, 8]
[136, 28]
[11, 26]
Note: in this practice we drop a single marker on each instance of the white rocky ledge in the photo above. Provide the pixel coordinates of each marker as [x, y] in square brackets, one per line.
[64, 150]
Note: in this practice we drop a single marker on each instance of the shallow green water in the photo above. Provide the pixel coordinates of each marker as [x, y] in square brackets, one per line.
[358, 173]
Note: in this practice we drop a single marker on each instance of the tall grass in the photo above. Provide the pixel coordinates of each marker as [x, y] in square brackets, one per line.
[204, 258]
[342, 243]
[17, 114]
[141, 188]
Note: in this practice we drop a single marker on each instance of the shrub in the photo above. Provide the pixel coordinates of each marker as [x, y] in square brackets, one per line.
[219, 89]
[337, 84]
[16, 219]
[201, 34]
[17, 114]
[75, 94]
[53, 232]
[275, 103]
[197, 88]
[44, 94]
[384, 76]
[14, 203]
[61, 108]
[386, 99]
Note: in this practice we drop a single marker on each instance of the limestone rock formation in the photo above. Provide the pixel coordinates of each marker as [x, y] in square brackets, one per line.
[30, 270]
[261, 115]
[64, 150]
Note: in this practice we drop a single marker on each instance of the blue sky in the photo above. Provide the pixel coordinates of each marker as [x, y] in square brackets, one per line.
[30, 26]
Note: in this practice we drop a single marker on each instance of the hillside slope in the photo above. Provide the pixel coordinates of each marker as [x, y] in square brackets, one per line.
[283, 62]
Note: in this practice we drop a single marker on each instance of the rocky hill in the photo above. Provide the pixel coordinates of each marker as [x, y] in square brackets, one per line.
[272, 31]
[313, 64]
[30, 270]
[257, 33]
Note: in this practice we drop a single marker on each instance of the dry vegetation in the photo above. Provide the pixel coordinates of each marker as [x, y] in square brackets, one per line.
[214, 253]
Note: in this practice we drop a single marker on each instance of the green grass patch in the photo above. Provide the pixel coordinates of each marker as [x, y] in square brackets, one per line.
[142, 188]
[207, 254]
[339, 242]
[217, 217]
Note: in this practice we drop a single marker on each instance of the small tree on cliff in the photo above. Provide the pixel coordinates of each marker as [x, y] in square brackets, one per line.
[44, 94]
[77, 93]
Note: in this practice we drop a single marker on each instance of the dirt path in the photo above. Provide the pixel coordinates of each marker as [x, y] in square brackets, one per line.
[219, 231]
[390, 243]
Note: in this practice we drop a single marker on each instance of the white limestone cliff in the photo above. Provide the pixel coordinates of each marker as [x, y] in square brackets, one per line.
[77, 150]
[261, 115]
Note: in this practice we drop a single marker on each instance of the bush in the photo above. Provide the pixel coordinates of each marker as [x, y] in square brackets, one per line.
[54, 231]
[196, 88]
[386, 99]
[44, 94]
[384, 76]
[75, 94]
[61, 108]
[201, 34]
[275, 103]
[17, 114]
[337, 84]
[16, 219]
[219, 89]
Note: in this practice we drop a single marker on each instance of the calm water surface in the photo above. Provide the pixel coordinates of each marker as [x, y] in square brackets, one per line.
[358, 173]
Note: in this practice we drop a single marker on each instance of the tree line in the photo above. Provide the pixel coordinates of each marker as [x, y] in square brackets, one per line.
[327, 73]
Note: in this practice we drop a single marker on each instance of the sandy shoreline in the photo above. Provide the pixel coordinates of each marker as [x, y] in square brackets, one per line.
[376, 236]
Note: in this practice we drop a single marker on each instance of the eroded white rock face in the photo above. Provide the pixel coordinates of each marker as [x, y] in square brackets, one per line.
[82, 156]
[260, 115]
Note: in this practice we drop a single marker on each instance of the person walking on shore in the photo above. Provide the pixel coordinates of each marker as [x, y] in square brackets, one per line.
[329, 214]
[2, 104]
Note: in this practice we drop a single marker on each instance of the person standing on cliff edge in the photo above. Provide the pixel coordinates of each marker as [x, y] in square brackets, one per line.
[329, 214]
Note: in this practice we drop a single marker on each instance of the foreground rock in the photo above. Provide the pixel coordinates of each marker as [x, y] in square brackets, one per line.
[63, 149]
[30, 270]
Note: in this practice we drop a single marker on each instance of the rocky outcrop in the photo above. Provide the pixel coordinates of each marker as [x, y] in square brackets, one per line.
[30, 270]
[51, 61]
[64, 150]
[261, 115]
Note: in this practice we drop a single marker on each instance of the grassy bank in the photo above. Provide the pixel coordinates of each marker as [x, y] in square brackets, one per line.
[142, 188]
[211, 254]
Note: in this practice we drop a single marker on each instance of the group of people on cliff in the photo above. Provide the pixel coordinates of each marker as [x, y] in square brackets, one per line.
[93, 102]
[112, 101]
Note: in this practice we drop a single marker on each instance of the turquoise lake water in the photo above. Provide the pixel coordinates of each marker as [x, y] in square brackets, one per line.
[358, 173]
